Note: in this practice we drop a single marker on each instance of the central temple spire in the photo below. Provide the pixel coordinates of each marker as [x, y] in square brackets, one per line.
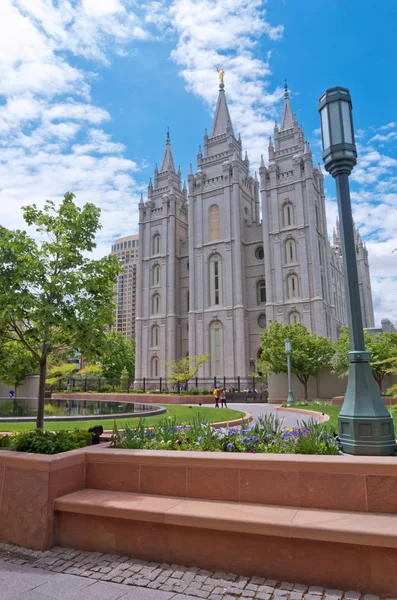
[222, 122]
[168, 162]
[287, 120]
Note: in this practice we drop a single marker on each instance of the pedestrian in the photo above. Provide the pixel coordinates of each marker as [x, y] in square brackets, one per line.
[217, 393]
[223, 398]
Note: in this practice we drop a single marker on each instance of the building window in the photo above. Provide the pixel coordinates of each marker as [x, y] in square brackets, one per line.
[156, 244]
[262, 321]
[215, 280]
[155, 335]
[155, 367]
[290, 251]
[292, 286]
[320, 253]
[213, 222]
[259, 253]
[294, 317]
[156, 275]
[156, 304]
[261, 292]
[216, 338]
[288, 212]
[188, 301]
[317, 218]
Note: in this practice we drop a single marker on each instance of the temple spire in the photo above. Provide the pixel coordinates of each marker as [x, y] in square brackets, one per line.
[287, 120]
[168, 162]
[222, 122]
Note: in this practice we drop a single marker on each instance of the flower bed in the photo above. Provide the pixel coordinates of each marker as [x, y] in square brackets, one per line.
[46, 442]
[265, 436]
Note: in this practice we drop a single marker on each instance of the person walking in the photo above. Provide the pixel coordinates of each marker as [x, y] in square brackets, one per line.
[223, 398]
[217, 393]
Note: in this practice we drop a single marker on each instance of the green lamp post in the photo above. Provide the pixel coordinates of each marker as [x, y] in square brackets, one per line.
[287, 346]
[365, 425]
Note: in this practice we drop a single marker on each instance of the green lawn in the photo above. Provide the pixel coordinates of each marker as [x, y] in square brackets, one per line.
[184, 414]
[333, 412]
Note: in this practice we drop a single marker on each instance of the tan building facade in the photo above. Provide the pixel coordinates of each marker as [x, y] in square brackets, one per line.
[126, 250]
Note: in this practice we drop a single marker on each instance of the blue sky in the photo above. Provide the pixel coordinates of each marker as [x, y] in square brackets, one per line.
[88, 87]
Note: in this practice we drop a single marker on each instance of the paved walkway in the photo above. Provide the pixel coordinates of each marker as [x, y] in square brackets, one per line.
[65, 574]
[289, 418]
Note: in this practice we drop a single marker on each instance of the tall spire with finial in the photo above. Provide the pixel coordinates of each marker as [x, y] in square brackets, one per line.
[168, 162]
[222, 122]
[287, 120]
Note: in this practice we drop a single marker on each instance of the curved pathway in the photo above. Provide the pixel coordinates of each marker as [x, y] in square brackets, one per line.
[289, 418]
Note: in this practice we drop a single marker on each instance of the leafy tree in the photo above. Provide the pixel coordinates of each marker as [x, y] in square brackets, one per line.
[381, 346]
[58, 372]
[16, 363]
[309, 351]
[124, 379]
[183, 369]
[91, 371]
[53, 295]
[115, 353]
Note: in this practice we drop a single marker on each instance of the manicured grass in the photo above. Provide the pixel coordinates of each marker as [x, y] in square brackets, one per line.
[184, 414]
[333, 412]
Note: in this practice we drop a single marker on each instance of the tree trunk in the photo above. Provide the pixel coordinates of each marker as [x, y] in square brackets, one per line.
[379, 380]
[305, 386]
[41, 396]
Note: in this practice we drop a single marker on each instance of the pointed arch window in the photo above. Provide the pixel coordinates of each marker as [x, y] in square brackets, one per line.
[155, 335]
[288, 214]
[261, 292]
[156, 304]
[215, 280]
[216, 349]
[294, 317]
[154, 370]
[292, 286]
[290, 251]
[156, 275]
[156, 243]
[213, 222]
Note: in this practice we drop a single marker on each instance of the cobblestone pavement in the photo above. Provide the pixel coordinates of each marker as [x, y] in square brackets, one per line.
[67, 574]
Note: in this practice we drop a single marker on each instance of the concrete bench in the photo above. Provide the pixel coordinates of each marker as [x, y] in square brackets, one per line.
[324, 547]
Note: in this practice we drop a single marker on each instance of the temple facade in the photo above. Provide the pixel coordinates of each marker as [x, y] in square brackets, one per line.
[224, 255]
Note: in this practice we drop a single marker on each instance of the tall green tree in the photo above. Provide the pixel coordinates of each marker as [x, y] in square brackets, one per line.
[183, 369]
[309, 351]
[115, 354]
[16, 363]
[53, 294]
[381, 346]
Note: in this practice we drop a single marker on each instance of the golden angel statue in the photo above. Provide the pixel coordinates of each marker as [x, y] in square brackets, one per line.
[221, 74]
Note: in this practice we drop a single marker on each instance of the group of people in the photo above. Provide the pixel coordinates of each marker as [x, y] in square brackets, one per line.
[219, 395]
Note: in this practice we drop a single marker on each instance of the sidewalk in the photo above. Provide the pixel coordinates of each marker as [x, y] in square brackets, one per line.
[66, 574]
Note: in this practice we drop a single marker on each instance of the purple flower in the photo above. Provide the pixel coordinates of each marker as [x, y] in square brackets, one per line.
[229, 446]
[179, 442]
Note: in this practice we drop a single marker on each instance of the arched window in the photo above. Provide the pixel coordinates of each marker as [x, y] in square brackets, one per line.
[290, 251]
[262, 321]
[294, 317]
[156, 275]
[155, 335]
[216, 342]
[292, 286]
[288, 214]
[156, 304]
[188, 301]
[261, 292]
[156, 244]
[155, 367]
[213, 222]
[215, 280]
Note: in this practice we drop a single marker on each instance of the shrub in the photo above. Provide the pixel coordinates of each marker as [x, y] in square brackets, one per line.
[48, 442]
[5, 441]
[53, 411]
[12, 408]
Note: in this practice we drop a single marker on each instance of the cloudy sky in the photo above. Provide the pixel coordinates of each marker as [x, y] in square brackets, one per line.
[88, 88]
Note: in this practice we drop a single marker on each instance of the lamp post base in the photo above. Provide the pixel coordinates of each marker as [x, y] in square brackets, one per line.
[290, 398]
[365, 425]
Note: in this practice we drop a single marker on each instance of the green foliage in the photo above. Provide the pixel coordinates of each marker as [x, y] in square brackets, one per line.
[91, 371]
[265, 436]
[12, 408]
[115, 354]
[16, 362]
[309, 351]
[381, 346]
[53, 411]
[48, 442]
[57, 372]
[124, 383]
[53, 295]
[183, 369]
[5, 441]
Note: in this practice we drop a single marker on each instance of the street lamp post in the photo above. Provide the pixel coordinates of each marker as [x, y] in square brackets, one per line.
[365, 425]
[287, 345]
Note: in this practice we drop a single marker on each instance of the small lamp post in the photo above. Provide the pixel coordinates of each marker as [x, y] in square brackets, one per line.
[365, 425]
[287, 345]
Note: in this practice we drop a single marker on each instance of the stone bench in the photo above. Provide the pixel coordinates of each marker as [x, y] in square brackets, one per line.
[325, 547]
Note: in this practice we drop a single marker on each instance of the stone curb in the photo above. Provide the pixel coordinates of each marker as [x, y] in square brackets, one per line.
[323, 418]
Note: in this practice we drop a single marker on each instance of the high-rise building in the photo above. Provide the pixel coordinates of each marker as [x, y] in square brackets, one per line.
[126, 249]
[215, 269]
